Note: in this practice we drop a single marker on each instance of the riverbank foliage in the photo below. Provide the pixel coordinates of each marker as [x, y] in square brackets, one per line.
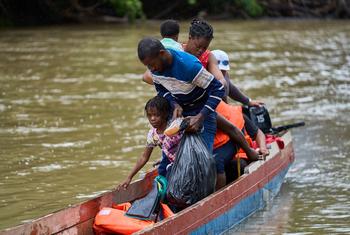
[43, 12]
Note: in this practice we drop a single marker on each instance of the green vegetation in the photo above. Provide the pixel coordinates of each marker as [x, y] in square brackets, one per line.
[44, 12]
[131, 8]
[251, 7]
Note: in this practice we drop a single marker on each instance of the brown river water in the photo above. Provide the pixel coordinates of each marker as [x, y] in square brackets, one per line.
[72, 122]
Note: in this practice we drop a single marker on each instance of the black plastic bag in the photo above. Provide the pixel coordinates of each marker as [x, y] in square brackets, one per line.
[193, 175]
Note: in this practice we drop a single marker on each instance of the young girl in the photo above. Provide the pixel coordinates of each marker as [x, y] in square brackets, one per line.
[157, 110]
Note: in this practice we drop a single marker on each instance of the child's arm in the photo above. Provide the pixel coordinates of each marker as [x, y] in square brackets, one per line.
[139, 164]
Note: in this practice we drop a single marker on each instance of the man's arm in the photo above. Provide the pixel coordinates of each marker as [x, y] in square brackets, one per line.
[213, 87]
[237, 95]
[256, 134]
[215, 91]
[163, 92]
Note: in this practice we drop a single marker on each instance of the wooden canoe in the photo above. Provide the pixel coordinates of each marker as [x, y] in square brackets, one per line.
[214, 214]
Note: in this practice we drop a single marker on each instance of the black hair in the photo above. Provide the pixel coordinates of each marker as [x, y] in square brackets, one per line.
[169, 28]
[161, 104]
[149, 47]
[201, 29]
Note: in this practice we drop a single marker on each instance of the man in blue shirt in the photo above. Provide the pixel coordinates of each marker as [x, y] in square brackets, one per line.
[192, 91]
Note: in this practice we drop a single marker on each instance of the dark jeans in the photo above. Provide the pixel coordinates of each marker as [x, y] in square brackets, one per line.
[209, 131]
[163, 164]
[223, 156]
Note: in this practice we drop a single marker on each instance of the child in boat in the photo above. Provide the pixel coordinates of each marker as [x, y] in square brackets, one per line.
[169, 30]
[157, 110]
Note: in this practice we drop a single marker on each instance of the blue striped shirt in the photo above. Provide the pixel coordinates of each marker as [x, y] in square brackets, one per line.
[189, 84]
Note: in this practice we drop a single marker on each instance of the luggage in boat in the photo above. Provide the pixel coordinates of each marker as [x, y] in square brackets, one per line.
[193, 175]
[127, 218]
[144, 208]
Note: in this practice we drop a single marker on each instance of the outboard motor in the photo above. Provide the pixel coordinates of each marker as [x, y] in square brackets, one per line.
[259, 116]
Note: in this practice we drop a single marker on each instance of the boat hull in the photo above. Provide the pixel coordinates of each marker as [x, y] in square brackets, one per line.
[212, 215]
[244, 208]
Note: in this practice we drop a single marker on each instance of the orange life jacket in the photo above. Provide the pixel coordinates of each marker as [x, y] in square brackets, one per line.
[114, 221]
[234, 115]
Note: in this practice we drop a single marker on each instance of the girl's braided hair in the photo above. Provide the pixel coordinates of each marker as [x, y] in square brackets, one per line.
[201, 29]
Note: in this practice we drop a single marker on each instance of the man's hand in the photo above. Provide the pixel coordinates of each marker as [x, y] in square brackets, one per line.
[255, 103]
[177, 111]
[196, 123]
[252, 155]
[263, 152]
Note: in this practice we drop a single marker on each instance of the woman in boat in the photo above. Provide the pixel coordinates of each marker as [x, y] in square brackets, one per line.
[201, 34]
[157, 111]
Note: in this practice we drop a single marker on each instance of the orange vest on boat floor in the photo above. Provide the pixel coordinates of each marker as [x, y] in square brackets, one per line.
[114, 221]
[234, 115]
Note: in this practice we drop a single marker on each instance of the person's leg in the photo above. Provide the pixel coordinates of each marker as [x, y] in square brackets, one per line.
[233, 170]
[223, 156]
[220, 168]
[220, 181]
[209, 131]
[229, 171]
